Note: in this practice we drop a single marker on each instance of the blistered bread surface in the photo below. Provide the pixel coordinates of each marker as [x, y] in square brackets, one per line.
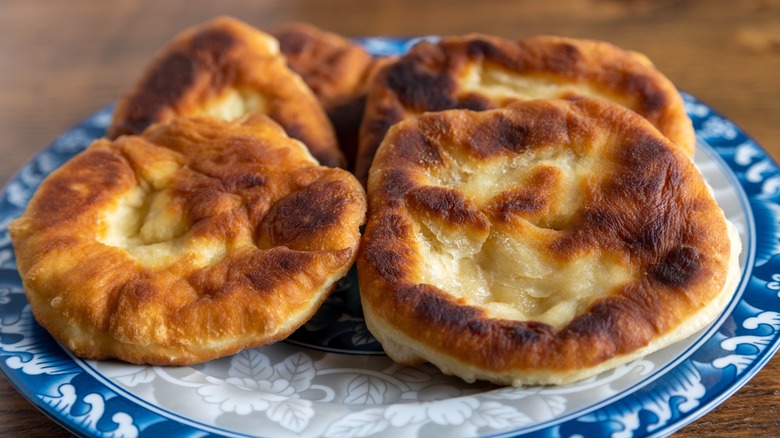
[334, 67]
[541, 243]
[480, 72]
[193, 241]
[337, 70]
[226, 69]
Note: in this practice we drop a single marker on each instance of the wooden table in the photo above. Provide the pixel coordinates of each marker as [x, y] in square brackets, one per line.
[61, 61]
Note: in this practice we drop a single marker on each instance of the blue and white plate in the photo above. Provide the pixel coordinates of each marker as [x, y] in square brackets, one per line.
[331, 379]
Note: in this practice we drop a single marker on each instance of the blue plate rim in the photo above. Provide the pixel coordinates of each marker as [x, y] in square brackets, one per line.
[721, 147]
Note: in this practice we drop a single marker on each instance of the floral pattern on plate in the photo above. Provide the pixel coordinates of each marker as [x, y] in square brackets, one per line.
[331, 379]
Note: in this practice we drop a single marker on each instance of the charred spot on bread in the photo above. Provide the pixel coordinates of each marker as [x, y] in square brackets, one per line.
[549, 241]
[196, 240]
[226, 69]
[481, 72]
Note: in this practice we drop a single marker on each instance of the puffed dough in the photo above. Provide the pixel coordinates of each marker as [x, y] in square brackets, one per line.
[337, 70]
[226, 69]
[196, 240]
[480, 72]
[539, 244]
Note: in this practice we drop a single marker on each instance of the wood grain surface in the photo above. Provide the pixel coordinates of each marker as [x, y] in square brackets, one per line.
[63, 60]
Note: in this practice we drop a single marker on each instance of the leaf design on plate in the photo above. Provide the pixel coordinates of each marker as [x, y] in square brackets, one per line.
[511, 393]
[292, 414]
[537, 404]
[251, 365]
[361, 335]
[145, 375]
[234, 399]
[556, 403]
[412, 375]
[654, 409]
[366, 390]
[298, 370]
[358, 424]
[497, 416]
[452, 412]
[404, 414]
[276, 389]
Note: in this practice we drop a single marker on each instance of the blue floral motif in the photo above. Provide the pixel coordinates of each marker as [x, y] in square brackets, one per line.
[648, 413]
[66, 404]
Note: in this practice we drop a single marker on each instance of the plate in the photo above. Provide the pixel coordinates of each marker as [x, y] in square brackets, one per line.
[331, 378]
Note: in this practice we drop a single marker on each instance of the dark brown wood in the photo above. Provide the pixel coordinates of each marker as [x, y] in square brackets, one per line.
[62, 61]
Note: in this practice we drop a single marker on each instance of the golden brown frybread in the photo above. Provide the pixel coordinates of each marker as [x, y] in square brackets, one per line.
[226, 69]
[196, 240]
[479, 72]
[539, 244]
[337, 70]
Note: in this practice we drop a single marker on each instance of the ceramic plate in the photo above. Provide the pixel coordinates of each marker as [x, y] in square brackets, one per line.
[331, 379]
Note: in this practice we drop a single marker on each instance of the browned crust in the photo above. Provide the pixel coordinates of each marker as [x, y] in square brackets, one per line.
[281, 230]
[332, 66]
[337, 70]
[198, 65]
[428, 78]
[651, 210]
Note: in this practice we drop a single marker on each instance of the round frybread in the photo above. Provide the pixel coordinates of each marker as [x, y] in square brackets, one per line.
[194, 241]
[337, 70]
[225, 68]
[480, 72]
[539, 244]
